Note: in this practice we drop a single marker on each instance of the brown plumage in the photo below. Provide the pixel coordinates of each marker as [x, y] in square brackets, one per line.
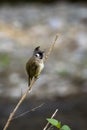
[35, 64]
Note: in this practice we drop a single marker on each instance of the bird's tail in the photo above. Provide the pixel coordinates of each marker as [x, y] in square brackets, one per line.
[30, 82]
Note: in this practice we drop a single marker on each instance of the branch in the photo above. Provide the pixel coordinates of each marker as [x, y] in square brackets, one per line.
[51, 117]
[50, 48]
[28, 90]
[22, 114]
[19, 103]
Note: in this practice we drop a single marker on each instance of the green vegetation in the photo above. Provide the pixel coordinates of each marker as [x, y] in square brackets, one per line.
[58, 124]
[63, 73]
[4, 60]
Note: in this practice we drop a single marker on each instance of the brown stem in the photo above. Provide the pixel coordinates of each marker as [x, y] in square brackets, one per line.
[17, 106]
[50, 48]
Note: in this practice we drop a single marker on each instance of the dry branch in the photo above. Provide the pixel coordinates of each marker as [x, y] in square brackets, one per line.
[22, 114]
[29, 88]
[50, 48]
[17, 106]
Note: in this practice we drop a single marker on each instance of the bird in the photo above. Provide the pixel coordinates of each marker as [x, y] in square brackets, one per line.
[35, 64]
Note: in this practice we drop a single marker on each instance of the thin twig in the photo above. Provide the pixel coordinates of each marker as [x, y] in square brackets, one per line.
[28, 90]
[50, 128]
[20, 115]
[53, 115]
[50, 48]
[17, 106]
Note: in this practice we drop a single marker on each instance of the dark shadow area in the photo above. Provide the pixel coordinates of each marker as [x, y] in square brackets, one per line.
[72, 111]
[16, 2]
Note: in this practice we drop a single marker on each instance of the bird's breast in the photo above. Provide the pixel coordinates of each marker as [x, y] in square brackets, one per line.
[41, 66]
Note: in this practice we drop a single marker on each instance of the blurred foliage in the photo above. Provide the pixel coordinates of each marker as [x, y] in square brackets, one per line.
[57, 124]
[4, 60]
[63, 73]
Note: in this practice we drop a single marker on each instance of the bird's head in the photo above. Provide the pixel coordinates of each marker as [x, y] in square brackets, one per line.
[38, 53]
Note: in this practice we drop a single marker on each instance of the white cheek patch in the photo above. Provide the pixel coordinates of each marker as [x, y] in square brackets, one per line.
[37, 55]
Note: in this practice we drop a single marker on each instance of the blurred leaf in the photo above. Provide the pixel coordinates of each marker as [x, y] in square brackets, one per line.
[59, 125]
[4, 60]
[63, 73]
[65, 127]
[53, 122]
